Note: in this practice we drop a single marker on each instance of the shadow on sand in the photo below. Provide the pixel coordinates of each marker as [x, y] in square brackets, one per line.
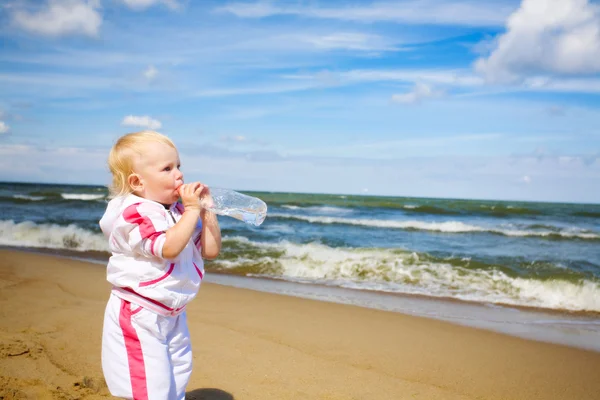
[208, 394]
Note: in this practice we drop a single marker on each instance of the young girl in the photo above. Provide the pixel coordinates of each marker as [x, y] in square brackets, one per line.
[156, 267]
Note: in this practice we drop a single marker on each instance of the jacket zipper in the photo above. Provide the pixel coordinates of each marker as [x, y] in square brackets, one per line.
[172, 217]
[178, 301]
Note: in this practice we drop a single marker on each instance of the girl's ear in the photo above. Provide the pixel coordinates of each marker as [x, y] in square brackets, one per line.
[135, 182]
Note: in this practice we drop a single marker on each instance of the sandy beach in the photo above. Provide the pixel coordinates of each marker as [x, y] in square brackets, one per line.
[253, 345]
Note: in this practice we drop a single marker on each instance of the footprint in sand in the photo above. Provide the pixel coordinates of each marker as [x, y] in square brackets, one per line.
[17, 347]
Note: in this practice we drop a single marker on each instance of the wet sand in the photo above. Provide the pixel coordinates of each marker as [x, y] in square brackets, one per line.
[254, 345]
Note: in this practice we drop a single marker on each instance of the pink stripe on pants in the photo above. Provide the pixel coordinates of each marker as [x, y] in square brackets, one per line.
[137, 369]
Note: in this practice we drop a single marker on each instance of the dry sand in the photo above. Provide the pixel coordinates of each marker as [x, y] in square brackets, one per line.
[253, 345]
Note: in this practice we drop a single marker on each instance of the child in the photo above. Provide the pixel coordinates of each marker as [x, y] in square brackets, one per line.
[156, 267]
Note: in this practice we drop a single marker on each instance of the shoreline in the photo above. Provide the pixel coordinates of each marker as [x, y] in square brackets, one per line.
[551, 326]
[578, 329]
[255, 345]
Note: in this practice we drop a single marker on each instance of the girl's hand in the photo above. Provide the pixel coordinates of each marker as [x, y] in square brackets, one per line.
[190, 195]
[206, 200]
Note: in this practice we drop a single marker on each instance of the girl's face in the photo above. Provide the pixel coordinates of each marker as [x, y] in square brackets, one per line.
[158, 173]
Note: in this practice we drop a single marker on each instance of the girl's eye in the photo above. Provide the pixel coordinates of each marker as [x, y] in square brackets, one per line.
[167, 169]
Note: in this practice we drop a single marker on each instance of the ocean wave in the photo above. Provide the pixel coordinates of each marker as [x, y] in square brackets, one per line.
[26, 197]
[320, 209]
[444, 227]
[399, 271]
[413, 208]
[71, 237]
[499, 211]
[588, 214]
[537, 284]
[21, 199]
[432, 206]
[82, 196]
[418, 205]
[51, 198]
[279, 228]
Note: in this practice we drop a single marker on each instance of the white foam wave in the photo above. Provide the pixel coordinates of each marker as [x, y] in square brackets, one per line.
[399, 271]
[27, 197]
[279, 228]
[82, 196]
[321, 209]
[444, 227]
[330, 210]
[410, 206]
[29, 234]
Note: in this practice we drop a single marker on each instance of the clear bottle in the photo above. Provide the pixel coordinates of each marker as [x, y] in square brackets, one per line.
[248, 209]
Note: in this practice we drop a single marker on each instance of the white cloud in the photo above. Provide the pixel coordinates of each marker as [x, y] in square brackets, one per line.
[470, 13]
[256, 112]
[457, 78]
[430, 76]
[348, 41]
[15, 149]
[46, 164]
[236, 138]
[3, 128]
[150, 73]
[383, 149]
[546, 37]
[61, 17]
[142, 121]
[139, 5]
[556, 110]
[252, 10]
[420, 92]
[291, 42]
[232, 140]
[254, 90]
[526, 179]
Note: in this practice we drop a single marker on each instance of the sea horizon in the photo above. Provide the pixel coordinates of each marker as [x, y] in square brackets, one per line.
[331, 193]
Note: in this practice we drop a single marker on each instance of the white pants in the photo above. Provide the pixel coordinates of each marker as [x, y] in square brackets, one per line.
[145, 356]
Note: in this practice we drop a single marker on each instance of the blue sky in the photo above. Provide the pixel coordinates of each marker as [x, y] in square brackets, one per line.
[432, 98]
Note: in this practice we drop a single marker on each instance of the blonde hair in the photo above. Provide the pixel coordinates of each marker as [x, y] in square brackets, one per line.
[120, 159]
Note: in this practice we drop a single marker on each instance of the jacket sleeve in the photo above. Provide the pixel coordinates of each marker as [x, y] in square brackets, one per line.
[144, 228]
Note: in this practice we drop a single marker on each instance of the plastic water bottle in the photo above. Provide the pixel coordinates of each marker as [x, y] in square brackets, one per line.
[248, 209]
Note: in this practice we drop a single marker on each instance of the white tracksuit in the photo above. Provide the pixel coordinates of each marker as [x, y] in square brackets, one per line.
[146, 350]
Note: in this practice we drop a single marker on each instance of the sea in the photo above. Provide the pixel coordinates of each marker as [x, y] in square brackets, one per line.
[530, 269]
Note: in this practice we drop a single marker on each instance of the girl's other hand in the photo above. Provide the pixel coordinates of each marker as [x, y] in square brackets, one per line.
[206, 200]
